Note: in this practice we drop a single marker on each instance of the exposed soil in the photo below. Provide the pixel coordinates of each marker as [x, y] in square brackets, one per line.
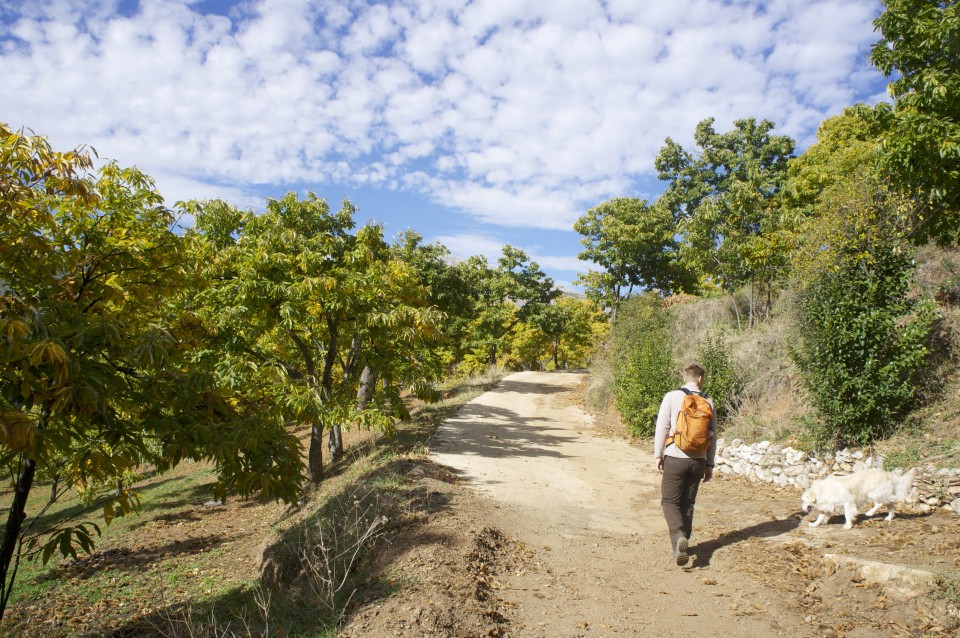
[536, 526]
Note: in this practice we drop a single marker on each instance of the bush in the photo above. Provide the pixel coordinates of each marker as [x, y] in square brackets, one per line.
[648, 371]
[863, 342]
[722, 382]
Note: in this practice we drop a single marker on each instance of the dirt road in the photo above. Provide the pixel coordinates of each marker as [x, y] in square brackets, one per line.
[533, 525]
[594, 502]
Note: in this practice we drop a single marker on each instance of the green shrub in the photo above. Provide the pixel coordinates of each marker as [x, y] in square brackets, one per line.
[648, 371]
[722, 382]
[863, 342]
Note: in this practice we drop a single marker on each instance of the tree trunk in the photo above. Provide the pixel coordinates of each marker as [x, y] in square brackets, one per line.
[736, 309]
[556, 362]
[54, 486]
[368, 383]
[769, 297]
[315, 456]
[335, 443]
[11, 536]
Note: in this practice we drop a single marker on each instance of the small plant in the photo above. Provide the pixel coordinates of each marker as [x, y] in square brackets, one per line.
[722, 383]
[649, 370]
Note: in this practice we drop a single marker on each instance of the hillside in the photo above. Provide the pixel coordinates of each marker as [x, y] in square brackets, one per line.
[771, 402]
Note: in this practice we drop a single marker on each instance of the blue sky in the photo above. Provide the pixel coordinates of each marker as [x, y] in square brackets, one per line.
[475, 122]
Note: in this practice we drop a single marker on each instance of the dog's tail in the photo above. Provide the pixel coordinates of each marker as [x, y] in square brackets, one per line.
[905, 485]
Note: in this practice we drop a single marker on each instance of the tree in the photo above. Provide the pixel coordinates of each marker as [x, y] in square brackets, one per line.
[446, 291]
[572, 326]
[503, 297]
[725, 199]
[97, 368]
[636, 245]
[846, 152]
[864, 336]
[920, 45]
[295, 290]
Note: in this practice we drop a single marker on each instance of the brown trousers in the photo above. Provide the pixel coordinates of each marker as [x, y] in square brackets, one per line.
[678, 493]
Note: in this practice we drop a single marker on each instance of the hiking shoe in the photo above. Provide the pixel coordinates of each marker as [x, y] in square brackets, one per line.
[680, 551]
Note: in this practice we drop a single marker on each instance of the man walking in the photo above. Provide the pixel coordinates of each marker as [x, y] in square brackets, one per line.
[684, 455]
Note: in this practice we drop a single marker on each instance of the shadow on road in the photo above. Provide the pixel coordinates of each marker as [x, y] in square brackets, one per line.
[704, 551]
[494, 432]
[526, 387]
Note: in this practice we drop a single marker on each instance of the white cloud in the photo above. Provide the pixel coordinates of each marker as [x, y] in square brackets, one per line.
[466, 245]
[527, 112]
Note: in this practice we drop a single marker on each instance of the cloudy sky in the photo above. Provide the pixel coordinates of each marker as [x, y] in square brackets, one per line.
[475, 122]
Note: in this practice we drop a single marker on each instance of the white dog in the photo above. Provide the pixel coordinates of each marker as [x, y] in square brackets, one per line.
[845, 494]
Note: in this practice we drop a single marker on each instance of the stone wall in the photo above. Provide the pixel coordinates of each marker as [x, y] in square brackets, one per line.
[790, 468]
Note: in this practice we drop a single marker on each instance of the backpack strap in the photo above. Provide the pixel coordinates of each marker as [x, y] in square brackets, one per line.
[669, 440]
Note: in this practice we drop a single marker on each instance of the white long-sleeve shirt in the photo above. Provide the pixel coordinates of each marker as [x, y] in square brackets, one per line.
[667, 423]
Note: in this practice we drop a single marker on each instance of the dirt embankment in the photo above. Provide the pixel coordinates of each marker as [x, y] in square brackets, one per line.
[536, 526]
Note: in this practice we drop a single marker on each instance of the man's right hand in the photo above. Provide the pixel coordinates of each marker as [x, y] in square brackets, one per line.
[658, 465]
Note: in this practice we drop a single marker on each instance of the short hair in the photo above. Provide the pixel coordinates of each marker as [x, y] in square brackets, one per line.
[693, 372]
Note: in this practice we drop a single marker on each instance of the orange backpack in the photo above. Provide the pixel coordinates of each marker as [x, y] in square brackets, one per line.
[693, 433]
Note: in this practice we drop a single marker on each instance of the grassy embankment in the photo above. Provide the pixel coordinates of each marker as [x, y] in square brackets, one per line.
[772, 404]
[186, 566]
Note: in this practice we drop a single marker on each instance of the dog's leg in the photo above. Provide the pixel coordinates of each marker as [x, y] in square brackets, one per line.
[891, 512]
[820, 520]
[850, 513]
[873, 510]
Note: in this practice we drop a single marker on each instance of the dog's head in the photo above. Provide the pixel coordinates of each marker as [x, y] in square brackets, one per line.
[807, 501]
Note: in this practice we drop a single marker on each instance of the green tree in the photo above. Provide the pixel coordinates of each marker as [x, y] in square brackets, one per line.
[644, 371]
[725, 198]
[636, 246]
[572, 327]
[98, 369]
[446, 291]
[864, 337]
[847, 146]
[920, 46]
[296, 290]
[502, 298]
